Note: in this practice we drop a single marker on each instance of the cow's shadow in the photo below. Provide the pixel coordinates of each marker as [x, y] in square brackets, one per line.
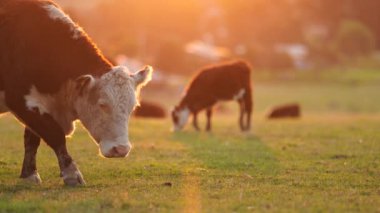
[230, 150]
[22, 185]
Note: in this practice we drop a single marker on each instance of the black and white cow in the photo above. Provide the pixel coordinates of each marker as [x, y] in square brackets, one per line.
[52, 74]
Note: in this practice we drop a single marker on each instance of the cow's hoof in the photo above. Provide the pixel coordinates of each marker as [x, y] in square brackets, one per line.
[72, 176]
[75, 179]
[34, 178]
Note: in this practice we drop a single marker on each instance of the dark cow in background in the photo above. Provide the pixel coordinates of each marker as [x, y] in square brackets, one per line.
[222, 82]
[52, 74]
[285, 111]
[148, 109]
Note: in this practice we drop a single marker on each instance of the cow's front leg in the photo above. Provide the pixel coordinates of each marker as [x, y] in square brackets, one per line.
[29, 168]
[195, 121]
[69, 171]
[241, 116]
[49, 130]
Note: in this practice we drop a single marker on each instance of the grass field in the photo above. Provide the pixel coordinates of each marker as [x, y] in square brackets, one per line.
[327, 161]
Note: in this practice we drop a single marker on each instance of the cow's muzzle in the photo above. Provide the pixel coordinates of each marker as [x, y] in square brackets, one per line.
[119, 151]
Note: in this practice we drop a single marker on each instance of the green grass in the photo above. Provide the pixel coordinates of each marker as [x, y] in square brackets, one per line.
[327, 161]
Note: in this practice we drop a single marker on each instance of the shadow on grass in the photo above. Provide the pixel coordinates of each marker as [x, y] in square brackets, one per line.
[16, 187]
[230, 153]
[23, 186]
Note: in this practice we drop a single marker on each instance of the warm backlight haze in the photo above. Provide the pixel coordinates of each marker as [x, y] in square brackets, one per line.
[179, 36]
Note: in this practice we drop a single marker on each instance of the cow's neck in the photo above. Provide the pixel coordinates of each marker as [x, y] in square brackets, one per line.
[185, 103]
[63, 108]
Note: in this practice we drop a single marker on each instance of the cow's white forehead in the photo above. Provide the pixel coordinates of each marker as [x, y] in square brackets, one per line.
[56, 13]
[119, 88]
[118, 79]
[118, 74]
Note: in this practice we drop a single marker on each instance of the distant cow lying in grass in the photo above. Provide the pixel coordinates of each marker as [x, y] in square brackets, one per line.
[228, 81]
[51, 74]
[148, 109]
[285, 111]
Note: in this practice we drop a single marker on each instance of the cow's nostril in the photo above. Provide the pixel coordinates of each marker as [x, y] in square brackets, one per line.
[113, 151]
[122, 150]
[118, 151]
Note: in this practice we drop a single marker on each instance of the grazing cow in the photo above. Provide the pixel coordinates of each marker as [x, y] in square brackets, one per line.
[52, 74]
[228, 81]
[148, 109]
[285, 111]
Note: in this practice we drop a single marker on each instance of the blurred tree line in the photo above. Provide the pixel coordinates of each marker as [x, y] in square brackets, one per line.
[156, 31]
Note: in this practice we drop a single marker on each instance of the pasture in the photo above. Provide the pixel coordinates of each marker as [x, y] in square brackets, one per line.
[329, 160]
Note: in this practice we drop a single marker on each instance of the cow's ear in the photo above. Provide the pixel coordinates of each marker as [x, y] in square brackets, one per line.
[84, 82]
[142, 77]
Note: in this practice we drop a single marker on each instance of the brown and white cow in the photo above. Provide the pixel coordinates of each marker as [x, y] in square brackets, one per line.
[227, 81]
[52, 74]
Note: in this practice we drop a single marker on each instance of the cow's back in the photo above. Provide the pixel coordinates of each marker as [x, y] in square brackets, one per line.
[220, 82]
[38, 47]
[5, 17]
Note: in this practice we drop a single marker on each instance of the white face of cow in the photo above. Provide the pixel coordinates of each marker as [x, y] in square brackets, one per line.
[180, 116]
[104, 106]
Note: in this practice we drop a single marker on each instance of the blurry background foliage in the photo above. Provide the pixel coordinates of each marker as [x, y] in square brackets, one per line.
[178, 37]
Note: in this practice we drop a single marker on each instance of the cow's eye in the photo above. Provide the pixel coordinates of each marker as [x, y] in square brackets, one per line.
[104, 106]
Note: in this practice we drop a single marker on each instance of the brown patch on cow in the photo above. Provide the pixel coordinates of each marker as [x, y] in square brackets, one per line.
[285, 111]
[26, 27]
